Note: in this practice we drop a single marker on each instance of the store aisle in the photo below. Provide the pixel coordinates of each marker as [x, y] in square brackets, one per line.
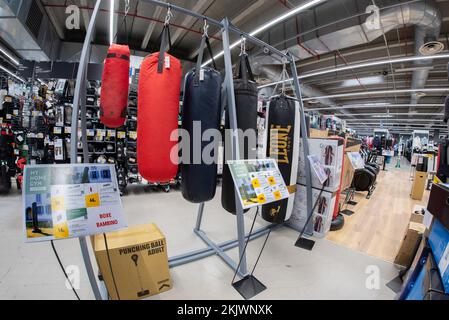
[330, 271]
[379, 223]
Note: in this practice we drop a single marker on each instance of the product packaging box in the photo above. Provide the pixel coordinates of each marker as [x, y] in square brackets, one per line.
[322, 215]
[411, 240]
[330, 153]
[419, 184]
[138, 257]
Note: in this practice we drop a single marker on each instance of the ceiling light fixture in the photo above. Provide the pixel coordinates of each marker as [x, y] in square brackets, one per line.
[374, 106]
[9, 55]
[12, 74]
[361, 65]
[271, 23]
[363, 93]
[111, 22]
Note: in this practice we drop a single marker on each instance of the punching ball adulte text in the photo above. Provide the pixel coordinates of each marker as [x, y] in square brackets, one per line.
[158, 107]
[114, 86]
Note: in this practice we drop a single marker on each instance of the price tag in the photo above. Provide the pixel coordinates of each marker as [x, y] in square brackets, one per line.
[8, 116]
[132, 134]
[92, 200]
[121, 135]
[167, 62]
[90, 132]
[57, 203]
[57, 130]
[15, 112]
[25, 147]
[111, 133]
[40, 135]
[201, 74]
[101, 133]
[67, 129]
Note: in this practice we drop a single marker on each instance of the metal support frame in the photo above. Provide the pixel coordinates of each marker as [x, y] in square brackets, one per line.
[212, 248]
[80, 97]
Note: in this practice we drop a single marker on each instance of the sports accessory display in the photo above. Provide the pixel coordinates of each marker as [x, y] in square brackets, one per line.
[158, 101]
[282, 143]
[201, 107]
[245, 90]
[114, 86]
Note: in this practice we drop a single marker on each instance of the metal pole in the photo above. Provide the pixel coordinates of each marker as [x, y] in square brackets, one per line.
[305, 142]
[199, 217]
[235, 139]
[79, 86]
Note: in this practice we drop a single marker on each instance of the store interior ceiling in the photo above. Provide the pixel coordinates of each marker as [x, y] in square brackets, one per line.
[402, 95]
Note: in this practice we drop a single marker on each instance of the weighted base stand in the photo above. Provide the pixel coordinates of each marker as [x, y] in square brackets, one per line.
[304, 243]
[249, 287]
[347, 212]
[352, 203]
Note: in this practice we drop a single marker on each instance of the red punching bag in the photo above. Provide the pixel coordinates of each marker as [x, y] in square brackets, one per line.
[114, 86]
[158, 109]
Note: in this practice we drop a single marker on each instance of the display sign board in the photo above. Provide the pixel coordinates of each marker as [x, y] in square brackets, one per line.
[356, 160]
[317, 168]
[70, 200]
[257, 181]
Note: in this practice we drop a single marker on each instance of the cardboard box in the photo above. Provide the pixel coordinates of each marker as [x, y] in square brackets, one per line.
[139, 262]
[411, 240]
[332, 163]
[322, 215]
[419, 185]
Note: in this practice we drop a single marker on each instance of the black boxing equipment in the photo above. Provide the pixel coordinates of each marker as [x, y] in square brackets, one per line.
[245, 91]
[158, 101]
[114, 86]
[282, 143]
[201, 106]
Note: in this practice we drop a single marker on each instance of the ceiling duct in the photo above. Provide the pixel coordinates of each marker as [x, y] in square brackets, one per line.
[27, 30]
[424, 15]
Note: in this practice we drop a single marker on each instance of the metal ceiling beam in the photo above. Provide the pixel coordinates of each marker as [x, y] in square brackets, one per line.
[235, 21]
[51, 15]
[85, 13]
[391, 114]
[151, 26]
[188, 21]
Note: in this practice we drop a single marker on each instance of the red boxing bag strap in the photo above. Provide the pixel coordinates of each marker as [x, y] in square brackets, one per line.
[165, 37]
[199, 61]
[245, 68]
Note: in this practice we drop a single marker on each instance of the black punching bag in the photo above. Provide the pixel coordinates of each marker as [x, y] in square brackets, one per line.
[201, 107]
[282, 126]
[245, 90]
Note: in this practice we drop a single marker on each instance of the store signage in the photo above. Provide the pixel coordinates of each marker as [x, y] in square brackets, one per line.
[257, 181]
[70, 200]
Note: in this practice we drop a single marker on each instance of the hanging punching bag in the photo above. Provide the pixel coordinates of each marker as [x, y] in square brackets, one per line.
[158, 103]
[245, 90]
[282, 128]
[201, 107]
[114, 86]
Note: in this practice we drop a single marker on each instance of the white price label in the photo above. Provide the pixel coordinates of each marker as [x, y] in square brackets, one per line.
[167, 62]
[57, 130]
[67, 129]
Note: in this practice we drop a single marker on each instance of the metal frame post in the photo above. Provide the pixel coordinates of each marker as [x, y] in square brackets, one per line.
[305, 142]
[229, 85]
[80, 88]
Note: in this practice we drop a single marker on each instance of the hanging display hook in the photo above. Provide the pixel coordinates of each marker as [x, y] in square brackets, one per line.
[168, 16]
[127, 7]
[243, 46]
[205, 29]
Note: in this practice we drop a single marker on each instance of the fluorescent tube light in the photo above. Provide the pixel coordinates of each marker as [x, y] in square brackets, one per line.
[12, 74]
[111, 22]
[9, 55]
[271, 23]
[362, 65]
[363, 93]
